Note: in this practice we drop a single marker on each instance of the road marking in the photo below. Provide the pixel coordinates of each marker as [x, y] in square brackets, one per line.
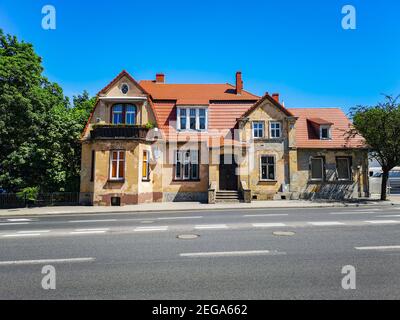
[378, 248]
[93, 229]
[177, 218]
[56, 212]
[105, 220]
[18, 220]
[211, 226]
[268, 225]
[144, 229]
[88, 232]
[382, 221]
[326, 223]
[225, 253]
[390, 216]
[16, 235]
[34, 231]
[45, 261]
[265, 215]
[353, 212]
[13, 223]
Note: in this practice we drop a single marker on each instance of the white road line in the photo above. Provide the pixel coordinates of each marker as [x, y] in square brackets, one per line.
[56, 212]
[45, 261]
[378, 248]
[382, 221]
[16, 235]
[34, 231]
[18, 220]
[352, 212]
[147, 229]
[92, 229]
[326, 223]
[13, 223]
[105, 220]
[225, 253]
[268, 225]
[177, 218]
[265, 215]
[390, 216]
[88, 232]
[211, 226]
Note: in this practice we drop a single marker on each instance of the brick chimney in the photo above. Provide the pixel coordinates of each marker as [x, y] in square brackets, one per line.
[239, 83]
[275, 96]
[160, 78]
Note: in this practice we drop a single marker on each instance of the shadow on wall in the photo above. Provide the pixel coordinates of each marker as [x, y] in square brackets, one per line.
[329, 191]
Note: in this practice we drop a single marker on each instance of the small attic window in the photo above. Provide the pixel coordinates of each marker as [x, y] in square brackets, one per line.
[325, 132]
[124, 88]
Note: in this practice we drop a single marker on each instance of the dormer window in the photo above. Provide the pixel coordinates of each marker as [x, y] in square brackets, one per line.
[192, 119]
[325, 132]
[123, 114]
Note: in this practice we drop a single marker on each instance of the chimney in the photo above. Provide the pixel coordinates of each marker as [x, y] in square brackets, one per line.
[239, 83]
[160, 78]
[275, 96]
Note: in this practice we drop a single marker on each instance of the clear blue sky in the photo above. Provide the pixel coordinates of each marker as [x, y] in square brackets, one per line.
[297, 48]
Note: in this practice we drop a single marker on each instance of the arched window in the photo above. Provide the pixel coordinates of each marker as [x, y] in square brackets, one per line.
[117, 114]
[123, 114]
[130, 114]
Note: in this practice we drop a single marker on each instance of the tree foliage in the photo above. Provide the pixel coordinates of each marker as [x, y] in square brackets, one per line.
[39, 129]
[380, 126]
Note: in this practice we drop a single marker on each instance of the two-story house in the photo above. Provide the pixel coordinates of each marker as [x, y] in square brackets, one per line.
[153, 141]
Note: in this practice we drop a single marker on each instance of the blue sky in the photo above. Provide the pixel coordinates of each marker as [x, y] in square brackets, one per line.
[296, 48]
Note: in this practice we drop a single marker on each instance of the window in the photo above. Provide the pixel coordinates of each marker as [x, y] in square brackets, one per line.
[92, 166]
[267, 168]
[275, 130]
[117, 112]
[325, 132]
[124, 88]
[258, 129]
[130, 114]
[343, 168]
[146, 166]
[117, 165]
[123, 114]
[186, 165]
[191, 119]
[317, 168]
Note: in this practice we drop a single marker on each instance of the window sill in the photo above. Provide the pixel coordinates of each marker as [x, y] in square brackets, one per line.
[116, 180]
[181, 180]
[146, 180]
[272, 181]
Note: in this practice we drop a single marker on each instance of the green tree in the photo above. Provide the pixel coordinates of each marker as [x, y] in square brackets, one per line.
[39, 130]
[380, 127]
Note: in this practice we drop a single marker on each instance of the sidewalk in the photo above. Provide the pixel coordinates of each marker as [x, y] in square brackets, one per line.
[191, 206]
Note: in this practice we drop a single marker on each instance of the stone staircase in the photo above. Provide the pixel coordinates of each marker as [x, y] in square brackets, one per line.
[228, 196]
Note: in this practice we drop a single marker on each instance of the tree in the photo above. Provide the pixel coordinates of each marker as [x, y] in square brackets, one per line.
[380, 127]
[39, 129]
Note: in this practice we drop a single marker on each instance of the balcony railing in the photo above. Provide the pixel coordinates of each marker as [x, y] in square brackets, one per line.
[118, 132]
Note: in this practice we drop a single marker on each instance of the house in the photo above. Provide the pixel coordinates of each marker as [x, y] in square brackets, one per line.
[151, 141]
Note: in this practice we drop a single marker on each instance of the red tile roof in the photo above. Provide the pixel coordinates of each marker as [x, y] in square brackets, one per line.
[306, 137]
[192, 94]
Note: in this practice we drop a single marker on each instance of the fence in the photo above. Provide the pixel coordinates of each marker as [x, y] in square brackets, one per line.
[12, 200]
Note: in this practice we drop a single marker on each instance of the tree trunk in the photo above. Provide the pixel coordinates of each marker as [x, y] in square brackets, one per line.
[385, 178]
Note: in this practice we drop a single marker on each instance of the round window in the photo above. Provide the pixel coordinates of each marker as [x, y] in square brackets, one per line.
[124, 88]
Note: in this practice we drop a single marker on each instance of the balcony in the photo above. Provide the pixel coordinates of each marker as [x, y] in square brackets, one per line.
[119, 132]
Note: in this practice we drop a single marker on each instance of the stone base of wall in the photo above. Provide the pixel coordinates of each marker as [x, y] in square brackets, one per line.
[128, 199]
[185, 196]
[330, 191]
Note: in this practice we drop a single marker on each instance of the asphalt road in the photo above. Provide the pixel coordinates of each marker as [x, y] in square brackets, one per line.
[235, 254]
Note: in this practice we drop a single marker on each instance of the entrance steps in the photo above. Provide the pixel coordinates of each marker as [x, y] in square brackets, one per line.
[228, 196]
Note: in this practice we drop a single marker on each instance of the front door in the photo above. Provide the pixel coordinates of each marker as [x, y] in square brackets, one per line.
[227, 173]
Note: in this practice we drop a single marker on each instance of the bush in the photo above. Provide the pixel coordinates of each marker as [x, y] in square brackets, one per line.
[31, 193]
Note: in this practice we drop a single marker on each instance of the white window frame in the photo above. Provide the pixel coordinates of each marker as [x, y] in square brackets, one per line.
[117, 178]
[187, 157]
[348, 169]
[328, 127]
[261, 164]
[270, 129]
[187, 116]
[322, 169]
[130, 112]
[263, 129]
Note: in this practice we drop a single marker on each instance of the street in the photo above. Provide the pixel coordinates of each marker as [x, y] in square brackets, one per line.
[280, 253]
